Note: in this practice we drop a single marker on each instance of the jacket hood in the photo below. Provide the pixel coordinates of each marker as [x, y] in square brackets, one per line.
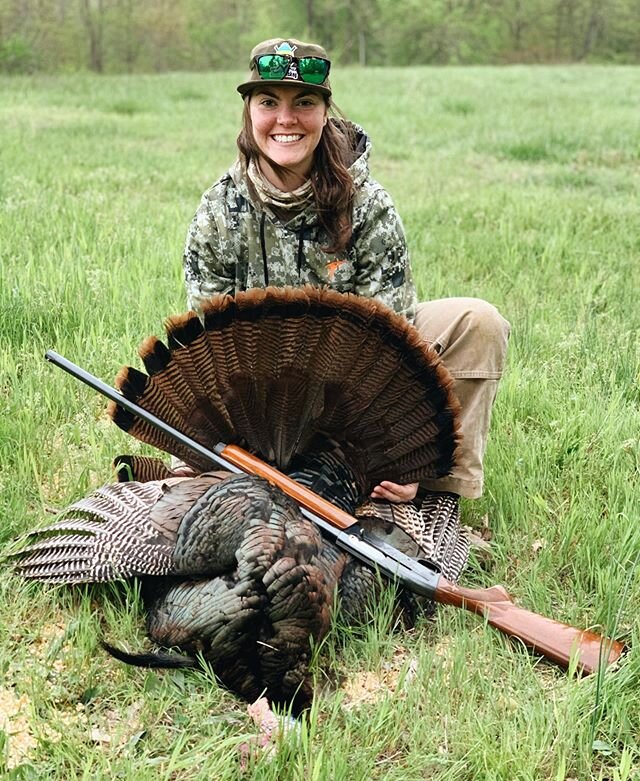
[359, 170]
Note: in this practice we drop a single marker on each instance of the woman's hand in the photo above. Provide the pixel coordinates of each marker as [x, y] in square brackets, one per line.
[394, 492]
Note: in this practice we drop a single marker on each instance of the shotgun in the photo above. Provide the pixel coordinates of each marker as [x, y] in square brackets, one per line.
[552, 639]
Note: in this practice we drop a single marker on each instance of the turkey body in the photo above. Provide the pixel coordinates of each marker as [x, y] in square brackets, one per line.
[261, 586]
[232, 574]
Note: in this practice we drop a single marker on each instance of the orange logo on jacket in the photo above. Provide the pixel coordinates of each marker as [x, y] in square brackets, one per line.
[333, 266]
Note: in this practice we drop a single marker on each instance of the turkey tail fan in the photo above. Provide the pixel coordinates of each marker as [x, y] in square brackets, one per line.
[271, 369]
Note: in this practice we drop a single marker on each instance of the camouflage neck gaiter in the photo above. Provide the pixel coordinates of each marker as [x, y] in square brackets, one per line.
[268, 193]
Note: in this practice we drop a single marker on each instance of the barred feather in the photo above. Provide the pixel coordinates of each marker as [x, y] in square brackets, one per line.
[432, 531]
[110, 535]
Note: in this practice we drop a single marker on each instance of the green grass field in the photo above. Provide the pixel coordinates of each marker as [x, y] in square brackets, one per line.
[518, 185]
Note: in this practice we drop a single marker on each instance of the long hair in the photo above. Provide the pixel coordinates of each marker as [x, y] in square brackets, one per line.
[332, 185]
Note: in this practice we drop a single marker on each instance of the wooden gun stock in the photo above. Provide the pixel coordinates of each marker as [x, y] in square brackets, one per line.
[558, 642]
[552, 639]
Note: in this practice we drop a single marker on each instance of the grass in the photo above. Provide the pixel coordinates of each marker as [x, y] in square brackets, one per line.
[518, 185]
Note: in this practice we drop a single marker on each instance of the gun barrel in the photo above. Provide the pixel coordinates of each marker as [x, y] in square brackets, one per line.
[112, 394]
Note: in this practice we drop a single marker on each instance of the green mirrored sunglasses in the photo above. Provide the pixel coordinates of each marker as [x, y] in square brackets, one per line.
[310, 70]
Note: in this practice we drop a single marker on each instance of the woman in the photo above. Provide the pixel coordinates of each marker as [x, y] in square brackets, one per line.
[299, 207]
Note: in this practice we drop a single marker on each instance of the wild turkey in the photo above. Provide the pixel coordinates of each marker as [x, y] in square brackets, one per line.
[335, 390]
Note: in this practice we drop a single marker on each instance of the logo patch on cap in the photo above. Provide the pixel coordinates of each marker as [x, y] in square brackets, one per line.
[285, 48]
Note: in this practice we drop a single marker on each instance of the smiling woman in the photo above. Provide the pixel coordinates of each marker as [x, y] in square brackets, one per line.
[287, 125]
[300, 207]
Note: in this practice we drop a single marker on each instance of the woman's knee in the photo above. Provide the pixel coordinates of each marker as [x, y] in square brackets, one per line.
[486, 320]
[469, 333]
[446, 319]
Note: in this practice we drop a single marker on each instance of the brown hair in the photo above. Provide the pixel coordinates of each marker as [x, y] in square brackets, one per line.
[331, 181]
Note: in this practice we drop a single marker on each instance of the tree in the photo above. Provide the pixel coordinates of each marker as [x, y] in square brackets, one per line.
[93, 18]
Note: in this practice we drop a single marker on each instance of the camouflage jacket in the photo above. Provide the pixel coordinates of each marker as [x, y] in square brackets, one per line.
[237, 242]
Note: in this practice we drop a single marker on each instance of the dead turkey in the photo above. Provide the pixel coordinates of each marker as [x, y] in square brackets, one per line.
[333, 389]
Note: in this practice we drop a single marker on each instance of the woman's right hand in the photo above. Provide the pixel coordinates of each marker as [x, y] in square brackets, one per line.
[395, 492]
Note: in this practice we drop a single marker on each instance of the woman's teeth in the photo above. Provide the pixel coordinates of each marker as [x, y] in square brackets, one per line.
[286, 139]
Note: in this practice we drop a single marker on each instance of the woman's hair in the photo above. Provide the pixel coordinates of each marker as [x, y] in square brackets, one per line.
[331, 181]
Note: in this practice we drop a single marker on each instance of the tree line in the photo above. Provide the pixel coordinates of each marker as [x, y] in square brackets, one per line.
[115, 36]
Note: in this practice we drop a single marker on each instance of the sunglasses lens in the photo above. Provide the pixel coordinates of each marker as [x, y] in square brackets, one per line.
[313, 70]
[272, 66]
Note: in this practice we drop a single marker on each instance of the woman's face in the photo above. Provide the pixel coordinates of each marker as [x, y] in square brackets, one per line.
[287, 125]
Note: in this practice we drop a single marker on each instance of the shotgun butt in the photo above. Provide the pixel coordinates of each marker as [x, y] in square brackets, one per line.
[553, 639]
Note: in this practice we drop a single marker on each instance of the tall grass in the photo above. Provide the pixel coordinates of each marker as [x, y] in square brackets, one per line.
[518, 185]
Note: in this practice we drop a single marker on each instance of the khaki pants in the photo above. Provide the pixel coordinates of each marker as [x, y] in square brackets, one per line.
[471, 337]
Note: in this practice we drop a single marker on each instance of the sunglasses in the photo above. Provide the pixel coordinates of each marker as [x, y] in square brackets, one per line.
[311, 70]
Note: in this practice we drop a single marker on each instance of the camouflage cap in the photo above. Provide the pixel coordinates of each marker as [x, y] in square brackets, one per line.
[289, 47]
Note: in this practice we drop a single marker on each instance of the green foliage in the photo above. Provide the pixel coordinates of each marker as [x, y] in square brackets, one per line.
[16, 55]
[128, 36]
[518, 185]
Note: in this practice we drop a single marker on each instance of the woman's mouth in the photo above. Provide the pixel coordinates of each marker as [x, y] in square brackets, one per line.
[288, 139]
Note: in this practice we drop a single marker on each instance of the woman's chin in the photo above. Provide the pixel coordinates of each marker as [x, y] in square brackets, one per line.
[299, 167]
[287, 160]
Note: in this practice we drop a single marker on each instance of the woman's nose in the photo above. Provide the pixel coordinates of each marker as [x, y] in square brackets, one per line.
[286, 115]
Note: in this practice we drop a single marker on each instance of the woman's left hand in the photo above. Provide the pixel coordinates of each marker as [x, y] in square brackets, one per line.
[394, 492]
